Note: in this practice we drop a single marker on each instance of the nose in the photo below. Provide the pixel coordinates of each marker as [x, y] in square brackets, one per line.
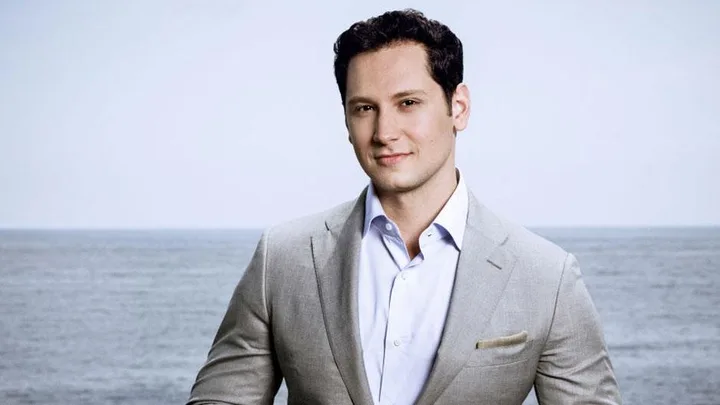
[386, 127]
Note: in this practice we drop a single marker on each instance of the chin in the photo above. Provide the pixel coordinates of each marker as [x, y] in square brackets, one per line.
[395, 183]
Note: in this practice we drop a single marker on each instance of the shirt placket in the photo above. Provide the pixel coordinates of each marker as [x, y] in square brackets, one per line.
[398, 356]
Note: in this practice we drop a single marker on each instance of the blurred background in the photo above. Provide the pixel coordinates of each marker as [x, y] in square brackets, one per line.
[145, 144]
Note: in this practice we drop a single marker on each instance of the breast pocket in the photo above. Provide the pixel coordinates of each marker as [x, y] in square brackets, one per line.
[505, 349]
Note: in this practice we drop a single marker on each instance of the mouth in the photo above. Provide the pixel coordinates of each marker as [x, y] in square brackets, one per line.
[391, 159]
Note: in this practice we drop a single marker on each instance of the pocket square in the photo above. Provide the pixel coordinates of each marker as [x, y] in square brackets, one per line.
[502, 341]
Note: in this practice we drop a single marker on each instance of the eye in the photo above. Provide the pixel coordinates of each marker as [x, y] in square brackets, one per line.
[408, 103]
[363, 108]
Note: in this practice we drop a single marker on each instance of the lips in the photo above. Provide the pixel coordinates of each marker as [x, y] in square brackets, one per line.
[391, 158]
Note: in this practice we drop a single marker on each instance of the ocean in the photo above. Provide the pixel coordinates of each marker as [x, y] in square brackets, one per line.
[127, 317]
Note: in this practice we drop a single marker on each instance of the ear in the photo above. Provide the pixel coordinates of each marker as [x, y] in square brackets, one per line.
[461, 107]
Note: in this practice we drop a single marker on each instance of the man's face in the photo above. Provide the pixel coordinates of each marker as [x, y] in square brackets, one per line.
[398, 120]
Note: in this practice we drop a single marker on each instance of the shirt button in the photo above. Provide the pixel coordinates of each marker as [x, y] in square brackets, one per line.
[397, 342]
[403, 275]
[388, 227]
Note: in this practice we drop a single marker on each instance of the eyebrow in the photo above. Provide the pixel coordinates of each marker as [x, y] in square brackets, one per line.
[398, 95]
[407, 93]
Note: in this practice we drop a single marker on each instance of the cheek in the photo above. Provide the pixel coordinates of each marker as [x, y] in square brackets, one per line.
[426, 130]
[417, 127]
[360, 130]
[359, 140]
[429, 124]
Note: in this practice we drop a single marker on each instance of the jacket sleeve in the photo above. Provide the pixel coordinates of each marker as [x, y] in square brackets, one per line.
[574, 367]
[241, 367]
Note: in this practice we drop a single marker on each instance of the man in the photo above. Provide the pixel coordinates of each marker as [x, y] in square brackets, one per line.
[414, 292]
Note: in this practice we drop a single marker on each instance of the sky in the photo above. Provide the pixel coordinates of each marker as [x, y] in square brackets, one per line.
[226, 114]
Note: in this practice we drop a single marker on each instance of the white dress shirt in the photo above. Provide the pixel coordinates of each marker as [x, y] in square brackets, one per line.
[403, 301]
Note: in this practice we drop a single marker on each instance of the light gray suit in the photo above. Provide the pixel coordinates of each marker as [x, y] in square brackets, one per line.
[519, 315]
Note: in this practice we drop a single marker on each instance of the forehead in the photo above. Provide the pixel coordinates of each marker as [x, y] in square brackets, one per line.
[388, 70]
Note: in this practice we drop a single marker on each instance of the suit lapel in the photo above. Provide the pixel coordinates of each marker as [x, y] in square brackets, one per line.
[336, 256]
[483, 270]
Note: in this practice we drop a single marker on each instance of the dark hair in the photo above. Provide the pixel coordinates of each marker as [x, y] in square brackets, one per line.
[444, 49]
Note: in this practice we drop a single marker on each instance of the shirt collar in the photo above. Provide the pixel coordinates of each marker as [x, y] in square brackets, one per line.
[452, 217]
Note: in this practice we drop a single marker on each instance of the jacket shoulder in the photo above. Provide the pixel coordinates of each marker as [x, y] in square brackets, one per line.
[528, 242]
[539, 264]
[533, 251]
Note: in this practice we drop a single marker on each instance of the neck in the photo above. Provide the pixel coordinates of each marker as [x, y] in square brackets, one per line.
[413, 211]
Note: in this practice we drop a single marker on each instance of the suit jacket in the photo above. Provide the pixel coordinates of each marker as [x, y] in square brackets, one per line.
[519, 316]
